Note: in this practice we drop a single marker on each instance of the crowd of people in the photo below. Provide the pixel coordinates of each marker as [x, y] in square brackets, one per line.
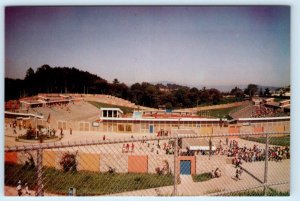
[159, 146]
[250, 154]
[263, 111]
[22, 190]
[255, 153]
[18, 124]
[162, 132]
[128, 148]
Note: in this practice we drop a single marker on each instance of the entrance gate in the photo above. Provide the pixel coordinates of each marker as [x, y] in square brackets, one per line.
[185, 167]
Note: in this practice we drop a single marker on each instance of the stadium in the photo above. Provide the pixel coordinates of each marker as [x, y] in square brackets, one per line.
[77, 112]
[147, 101]
[140, 140]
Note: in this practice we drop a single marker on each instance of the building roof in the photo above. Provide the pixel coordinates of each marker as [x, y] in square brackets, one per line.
[23, 114]
[197, 144]
[264, 118]
[111, 109]
[162, 119]
[273, 104]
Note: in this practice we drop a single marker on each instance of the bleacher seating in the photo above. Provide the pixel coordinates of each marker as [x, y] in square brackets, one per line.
[242, 112]
[69, 112]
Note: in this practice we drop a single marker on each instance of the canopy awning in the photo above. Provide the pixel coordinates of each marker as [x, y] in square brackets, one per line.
[202, 148]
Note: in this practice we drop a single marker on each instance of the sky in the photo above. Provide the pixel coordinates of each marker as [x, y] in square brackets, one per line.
[194, 46]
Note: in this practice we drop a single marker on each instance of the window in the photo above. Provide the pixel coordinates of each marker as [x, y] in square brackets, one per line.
[128, 128]
[121, 127]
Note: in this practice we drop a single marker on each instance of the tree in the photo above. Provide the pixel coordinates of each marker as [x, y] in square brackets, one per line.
[29, 74]
[260, 92]
[267, 92]
[193, 95]
[214, 95]
[237, 92]
[204, 95]
[251, 90]
[68, 162]
[116, 81]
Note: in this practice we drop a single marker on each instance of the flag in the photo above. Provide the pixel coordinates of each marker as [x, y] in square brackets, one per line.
[48, 119]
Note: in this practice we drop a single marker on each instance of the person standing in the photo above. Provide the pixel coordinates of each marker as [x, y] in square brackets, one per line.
[237, 175]
[26, 189]
[19, 188]
[61, 133]
[70, 131]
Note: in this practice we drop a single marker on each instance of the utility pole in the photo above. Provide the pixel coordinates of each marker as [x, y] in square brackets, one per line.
[266, 165]
[175, 165]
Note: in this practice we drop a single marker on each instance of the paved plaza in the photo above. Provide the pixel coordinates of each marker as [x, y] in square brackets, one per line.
[252, 176]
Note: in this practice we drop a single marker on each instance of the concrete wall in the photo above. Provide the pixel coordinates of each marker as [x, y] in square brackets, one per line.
[187, 158]
[50, 158]
[157, 161]
[246, 129]
[117, 161]
[88, 162]
[11, 157]
[205, 128]
[138, 164]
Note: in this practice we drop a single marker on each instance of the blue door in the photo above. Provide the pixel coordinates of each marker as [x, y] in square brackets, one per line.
[185, 167]
[151, 128]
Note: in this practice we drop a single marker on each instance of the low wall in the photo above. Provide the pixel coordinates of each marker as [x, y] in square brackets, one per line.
[158, 161]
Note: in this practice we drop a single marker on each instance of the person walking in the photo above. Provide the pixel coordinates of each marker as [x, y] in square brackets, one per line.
[240, 173]
[237, 175]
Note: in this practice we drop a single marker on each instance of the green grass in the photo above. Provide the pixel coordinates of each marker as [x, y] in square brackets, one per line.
[280, 141]
[218, 112]
[270, 192]
[278, 99]
[86, 183]
[202, 177]
[222, 101]
[126, 110]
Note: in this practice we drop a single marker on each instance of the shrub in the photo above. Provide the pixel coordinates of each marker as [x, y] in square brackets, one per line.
[111, 170]
[202, 177]
[158, 171]
[137, 179]
[30, 134]
[68, 162]
[29, 163]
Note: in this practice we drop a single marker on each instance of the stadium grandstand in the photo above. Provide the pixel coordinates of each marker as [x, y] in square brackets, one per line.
[75, 111]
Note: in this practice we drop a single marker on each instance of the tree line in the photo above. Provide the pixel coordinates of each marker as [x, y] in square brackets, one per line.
[48, 79]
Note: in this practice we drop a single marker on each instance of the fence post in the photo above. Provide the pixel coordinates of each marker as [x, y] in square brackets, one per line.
[175, 165]
[39, 173]
[266, 165]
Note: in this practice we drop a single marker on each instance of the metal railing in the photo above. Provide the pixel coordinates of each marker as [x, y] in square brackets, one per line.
[186, 164]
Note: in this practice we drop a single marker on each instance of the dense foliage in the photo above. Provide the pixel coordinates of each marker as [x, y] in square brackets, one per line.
[48, 79]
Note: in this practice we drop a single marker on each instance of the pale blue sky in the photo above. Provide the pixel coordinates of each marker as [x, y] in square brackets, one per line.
[185, 45]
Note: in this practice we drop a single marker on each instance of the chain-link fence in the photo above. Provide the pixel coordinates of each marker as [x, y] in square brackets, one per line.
[181, 164]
